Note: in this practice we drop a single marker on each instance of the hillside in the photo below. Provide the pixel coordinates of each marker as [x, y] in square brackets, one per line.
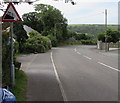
[92, 29]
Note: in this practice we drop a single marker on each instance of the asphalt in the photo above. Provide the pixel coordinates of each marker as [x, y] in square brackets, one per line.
[42, 83]
[72, 73]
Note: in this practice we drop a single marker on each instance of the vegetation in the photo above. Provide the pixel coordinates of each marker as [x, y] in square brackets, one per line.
[51, 30]
[80, 38]
[20, 35]
[48, 21]
[101, 37]
[110, 36]
[20, 85]
[92, 29]
[20, 77]
[37, 43]
[5, 58]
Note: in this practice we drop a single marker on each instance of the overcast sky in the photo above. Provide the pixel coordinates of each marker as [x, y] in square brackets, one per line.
[84, 12]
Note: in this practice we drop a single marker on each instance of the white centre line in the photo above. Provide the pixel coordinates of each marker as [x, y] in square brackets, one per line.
[79, 53]
[58, 79]
[87, 57]
[75, 49]
[109, 66]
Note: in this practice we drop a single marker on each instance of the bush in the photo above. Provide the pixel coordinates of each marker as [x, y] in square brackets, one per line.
[81, 36]
[5, 58]
[88, 42]
[33, 33]
[111, 36]
[101, 37]
[38, 44]
[54, 40]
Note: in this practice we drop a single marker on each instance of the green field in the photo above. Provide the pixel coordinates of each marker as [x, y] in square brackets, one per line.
[92, 29]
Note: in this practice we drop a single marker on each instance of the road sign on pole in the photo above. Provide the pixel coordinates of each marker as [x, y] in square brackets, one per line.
[11, 14]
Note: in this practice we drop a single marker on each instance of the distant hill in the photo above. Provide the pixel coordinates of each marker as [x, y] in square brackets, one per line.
[93, 29]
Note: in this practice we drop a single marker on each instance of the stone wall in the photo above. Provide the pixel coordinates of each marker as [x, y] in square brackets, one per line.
[106, 46]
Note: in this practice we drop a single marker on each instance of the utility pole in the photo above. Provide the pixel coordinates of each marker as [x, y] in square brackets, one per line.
[0, 55]
[106, 46]
[119, 16]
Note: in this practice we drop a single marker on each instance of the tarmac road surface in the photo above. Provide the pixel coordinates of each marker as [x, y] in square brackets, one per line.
[71, 73]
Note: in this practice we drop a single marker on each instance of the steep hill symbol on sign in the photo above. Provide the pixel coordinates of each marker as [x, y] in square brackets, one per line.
[11, 14]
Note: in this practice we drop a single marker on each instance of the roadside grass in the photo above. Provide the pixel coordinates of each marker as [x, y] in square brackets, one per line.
[20, 85]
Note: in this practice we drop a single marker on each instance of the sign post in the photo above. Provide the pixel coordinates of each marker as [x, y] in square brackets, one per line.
[11, 15]
[12, 70]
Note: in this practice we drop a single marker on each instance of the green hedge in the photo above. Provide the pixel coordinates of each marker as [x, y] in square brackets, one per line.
[88, 42]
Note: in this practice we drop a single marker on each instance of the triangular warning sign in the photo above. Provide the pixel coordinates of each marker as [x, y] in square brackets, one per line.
[11, 14]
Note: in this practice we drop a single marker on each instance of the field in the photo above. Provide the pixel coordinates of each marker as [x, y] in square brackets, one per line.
[92, 29]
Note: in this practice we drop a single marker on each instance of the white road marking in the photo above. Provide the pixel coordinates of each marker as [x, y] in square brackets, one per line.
[75, 49]
[79, 53]
[87, 57]
[58, 79]
[109, 66]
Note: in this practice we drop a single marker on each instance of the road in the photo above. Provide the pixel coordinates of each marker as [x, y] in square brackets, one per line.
[72, 73]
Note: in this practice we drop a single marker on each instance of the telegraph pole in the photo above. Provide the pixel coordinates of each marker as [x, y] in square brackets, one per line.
[106, 46]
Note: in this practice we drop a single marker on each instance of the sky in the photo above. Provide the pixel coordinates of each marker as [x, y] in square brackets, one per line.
[84, 12]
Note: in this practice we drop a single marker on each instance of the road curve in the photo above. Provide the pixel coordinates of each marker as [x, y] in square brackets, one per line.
[71, 73]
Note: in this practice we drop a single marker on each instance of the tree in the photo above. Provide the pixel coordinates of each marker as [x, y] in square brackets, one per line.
[20, 35]
[110, 36]
[101, 37]
[37, 43]
[47, 20]
[33, 20]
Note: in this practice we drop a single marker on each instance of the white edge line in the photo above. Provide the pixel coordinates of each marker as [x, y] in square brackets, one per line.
[87, 57]
[58, 79]
[109, 66]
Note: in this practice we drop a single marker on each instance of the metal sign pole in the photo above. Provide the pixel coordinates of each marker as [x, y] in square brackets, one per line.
[12, 70]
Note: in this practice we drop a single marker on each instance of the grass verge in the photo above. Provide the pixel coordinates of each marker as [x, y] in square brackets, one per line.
[20, 85]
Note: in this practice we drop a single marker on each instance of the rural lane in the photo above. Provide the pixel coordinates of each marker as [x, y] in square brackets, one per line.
[71, 73]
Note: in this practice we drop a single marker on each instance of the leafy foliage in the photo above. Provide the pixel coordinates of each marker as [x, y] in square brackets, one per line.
[37, 43]
[93, 29]
[101, 37]
[82, 36]
[47, 20]
[20, 35]
[111, 36]
[6, 57]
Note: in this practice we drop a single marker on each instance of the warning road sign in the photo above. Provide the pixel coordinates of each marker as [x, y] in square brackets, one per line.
[11, 14]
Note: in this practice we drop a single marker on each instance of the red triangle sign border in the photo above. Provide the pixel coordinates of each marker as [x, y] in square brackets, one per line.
[8, 20]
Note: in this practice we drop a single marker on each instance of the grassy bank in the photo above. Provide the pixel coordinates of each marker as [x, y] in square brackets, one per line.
[20, 85]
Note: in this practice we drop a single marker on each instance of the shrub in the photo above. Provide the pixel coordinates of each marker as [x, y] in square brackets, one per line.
[5, 58]
[54, 40]
[33, 33]
[88, 42]
[101, 37]
[38, 44]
